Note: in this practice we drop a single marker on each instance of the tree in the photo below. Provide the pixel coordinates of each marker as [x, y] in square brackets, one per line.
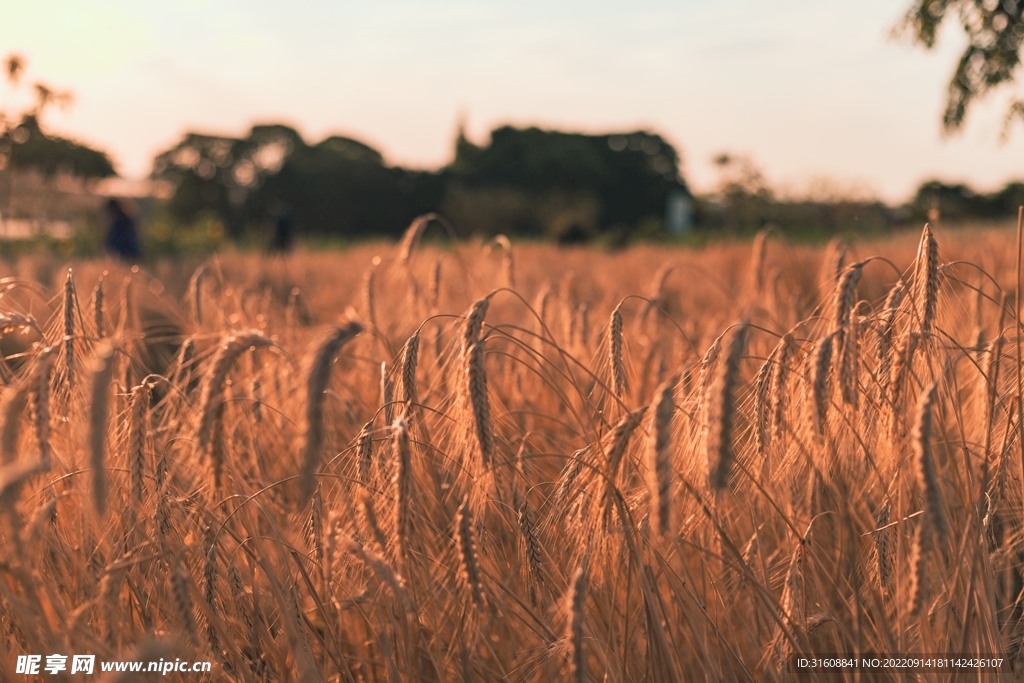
[23, 144]
[995, 31]
[338, 186]
[568, 186]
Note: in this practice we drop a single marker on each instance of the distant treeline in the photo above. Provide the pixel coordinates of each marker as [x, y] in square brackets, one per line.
[959, 202]
[744, 209]
[745, 214]
[565, 186]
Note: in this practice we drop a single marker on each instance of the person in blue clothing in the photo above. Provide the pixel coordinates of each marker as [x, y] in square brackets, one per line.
[122, 236]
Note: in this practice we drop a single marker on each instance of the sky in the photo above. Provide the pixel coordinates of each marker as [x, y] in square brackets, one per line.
[815, 92]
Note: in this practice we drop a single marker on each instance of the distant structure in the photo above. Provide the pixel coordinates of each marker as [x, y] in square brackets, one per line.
[679, 212]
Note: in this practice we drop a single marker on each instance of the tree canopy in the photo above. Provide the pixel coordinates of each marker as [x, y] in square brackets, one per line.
[995, 31]
[524, 181]
[337, 186]
[24, 146]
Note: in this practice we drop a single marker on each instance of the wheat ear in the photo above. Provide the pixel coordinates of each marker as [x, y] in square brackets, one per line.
[318, 372]
[821, 362]
[211, 403]
[618, 440]
[575, 602]
[474, 324]
[618, 369]
[370, 521]
[468, 559]
[403, 486]
[782, 355]
[364, 453]
[180, 580]
[410, 361]
[39, 401]
[528, 529]
[924, 463]
[926, 280]
[476, 390]
[722, 408]
[918, 569]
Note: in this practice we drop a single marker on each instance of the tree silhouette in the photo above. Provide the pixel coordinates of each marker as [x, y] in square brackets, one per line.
[338, 186]
[25, 146]
[995, 31]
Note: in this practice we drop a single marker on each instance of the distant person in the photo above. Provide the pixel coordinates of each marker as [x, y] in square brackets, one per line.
[284, 231]
[122, 236]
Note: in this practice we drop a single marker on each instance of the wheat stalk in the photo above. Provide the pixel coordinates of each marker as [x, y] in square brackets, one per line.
[434, 291]
[618, 440]
[883, 548]
[14, 403]
[369, 307]
[97, 310]
[575, 602]
[99, 418]
[508, 271]
[195, 293]
[412, 236]
[832, 263]
[762, 395]
[369, 514]
[210, 586]
[758, 257]
[69, 329]
[660, 466]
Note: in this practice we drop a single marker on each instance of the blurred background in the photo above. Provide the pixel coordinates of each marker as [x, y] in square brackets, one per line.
[223, 123]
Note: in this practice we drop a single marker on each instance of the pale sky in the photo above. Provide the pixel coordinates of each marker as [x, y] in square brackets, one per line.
[813, 91]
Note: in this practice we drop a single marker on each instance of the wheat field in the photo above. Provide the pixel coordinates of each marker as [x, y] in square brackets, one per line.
[515, 463]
